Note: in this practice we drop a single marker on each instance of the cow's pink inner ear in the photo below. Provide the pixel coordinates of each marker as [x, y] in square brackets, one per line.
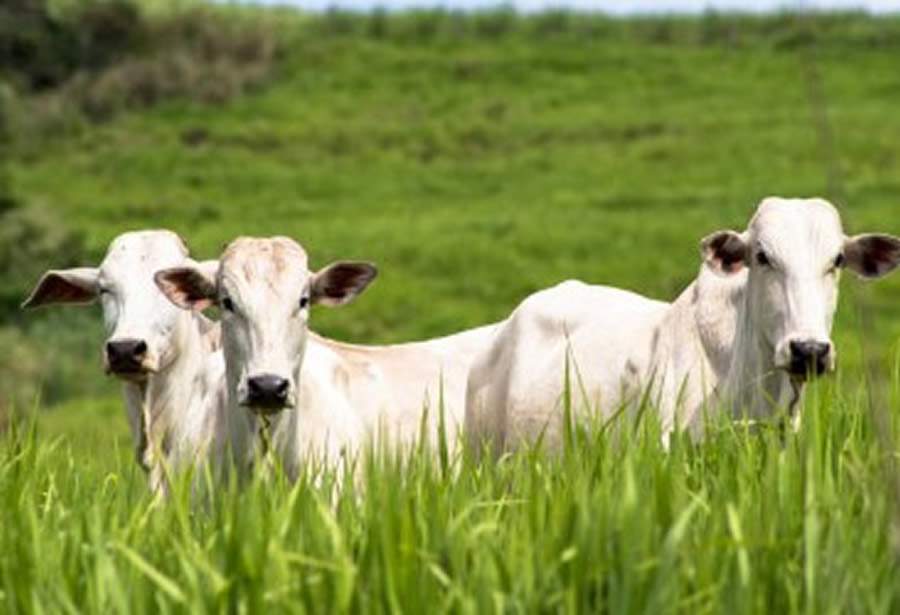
[71, 286]
[341, 282]
[871, 255]
[186, 288]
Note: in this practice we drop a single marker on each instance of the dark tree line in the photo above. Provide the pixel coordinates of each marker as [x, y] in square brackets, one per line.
[40, 48]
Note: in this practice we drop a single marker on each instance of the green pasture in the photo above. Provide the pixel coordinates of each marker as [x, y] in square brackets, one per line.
[477, 159]
[475, 168]
[747, 522]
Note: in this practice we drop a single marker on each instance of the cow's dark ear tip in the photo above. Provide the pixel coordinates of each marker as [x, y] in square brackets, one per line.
[872, 255]
[371, 270]
[725, 252]
[341, 282]
[76, 286]
[162, 277]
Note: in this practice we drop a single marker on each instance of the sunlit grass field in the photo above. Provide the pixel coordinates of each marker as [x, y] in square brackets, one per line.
[747, 522]
[475, 164]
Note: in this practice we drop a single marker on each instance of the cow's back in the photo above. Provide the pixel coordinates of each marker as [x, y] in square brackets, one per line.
[573, 332]
[390, 388]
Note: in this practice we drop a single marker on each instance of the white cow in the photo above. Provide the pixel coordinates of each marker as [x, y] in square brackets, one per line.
[746, 334]
[169, 361]
[325, 398]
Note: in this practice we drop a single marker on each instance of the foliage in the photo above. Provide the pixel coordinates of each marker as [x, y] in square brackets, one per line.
[199, 55]
[41, 48]
[30, 238]
[95, 59]
[20, 373]
[746, 522]
[20, 366]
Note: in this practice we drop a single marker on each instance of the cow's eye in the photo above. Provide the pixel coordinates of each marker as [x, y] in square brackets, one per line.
[227, 304]
[104, 291]
[304, 301]
[762, 259]
[839, 261]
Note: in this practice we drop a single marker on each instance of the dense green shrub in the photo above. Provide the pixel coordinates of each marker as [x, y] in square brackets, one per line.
[40, 49]
[31, 237]
[7, 201]
[20, 373]
[104, 56]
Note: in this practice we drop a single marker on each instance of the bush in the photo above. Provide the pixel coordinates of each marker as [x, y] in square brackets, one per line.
[105, 56]
[31, 237]
[7, 202]
[20, 371]
[199, 56]
[37, 354]
[40, 49]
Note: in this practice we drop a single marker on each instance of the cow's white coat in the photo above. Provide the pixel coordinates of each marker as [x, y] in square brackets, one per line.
[176, 402]
[339, 396]
[724, 342]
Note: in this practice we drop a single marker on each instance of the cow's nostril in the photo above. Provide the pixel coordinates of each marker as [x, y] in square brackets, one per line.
[809, 356]
[267, 391]
[126, 356]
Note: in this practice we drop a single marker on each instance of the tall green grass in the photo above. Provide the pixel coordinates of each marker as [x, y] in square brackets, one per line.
[745, 522]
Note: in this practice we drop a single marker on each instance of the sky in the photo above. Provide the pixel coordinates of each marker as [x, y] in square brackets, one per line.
[617, 7]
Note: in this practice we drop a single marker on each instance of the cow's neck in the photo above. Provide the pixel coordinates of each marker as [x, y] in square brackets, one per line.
[692, 349]
[743, 374]
[324, 425]
[165, 399]
[715, 311]
[754, 387]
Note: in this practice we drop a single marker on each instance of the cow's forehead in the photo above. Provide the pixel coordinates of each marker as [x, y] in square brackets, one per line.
[795, 224]
[250, 261]
[143, 250]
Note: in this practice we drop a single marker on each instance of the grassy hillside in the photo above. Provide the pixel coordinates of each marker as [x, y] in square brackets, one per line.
[477, 159]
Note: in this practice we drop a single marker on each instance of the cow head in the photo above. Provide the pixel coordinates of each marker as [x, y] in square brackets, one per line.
[264, 290]
[140, 322]
[795, 250]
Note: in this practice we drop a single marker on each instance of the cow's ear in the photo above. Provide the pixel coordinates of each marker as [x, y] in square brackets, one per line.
[190, 288]
[68, 286]
[725, 252]
[341, 282]
[872, 256]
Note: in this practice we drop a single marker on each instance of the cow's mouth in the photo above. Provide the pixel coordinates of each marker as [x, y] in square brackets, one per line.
[804, 376]
[129, 370]
[267, 394]
[129, 359]
[260, 408]
[805, 371]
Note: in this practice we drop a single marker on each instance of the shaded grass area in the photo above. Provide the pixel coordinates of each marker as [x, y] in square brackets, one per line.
[744, 523]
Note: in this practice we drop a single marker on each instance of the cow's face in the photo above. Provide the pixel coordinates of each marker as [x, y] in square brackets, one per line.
[139, 320]
[264, 290]
[795, 250]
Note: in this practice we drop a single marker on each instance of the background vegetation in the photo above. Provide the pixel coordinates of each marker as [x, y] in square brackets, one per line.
[475, 158]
